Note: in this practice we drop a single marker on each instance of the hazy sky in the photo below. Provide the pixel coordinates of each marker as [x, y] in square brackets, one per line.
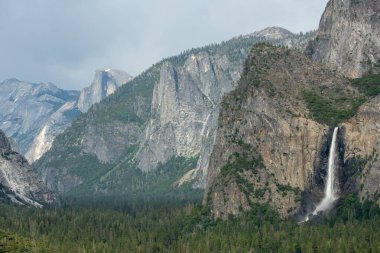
[64, 42]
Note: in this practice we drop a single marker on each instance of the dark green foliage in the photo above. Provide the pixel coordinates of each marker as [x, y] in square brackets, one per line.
[368, 84]
[331, 111]
[350, 209]
[336, 106]
[259, 193]
[12, 243]
[131, 104]
[355, 166]
[122, 105]
[238, 48]
[240, 163]
[287, 188]
[124, 224]
[127, 178]
[249, 159]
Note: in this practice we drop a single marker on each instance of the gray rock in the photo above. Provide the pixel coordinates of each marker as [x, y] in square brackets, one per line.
[348, 37]
[18, 181]
[25, 109]
[185, 101]
[266, 121]
[273, 33]
[55, 125]
[5, 145]
[171, 110]
[32, 115]
[104, 84]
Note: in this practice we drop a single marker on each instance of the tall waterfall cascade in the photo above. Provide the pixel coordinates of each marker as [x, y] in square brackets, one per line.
[330, 192]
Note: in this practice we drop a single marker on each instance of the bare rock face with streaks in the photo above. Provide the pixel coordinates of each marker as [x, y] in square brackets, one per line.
[348, 38]
[268, 145]
[26, 109]
[34, 114]
[18, 182]
[362, 148]
[185, 102]
[105, 83]
[168, 112]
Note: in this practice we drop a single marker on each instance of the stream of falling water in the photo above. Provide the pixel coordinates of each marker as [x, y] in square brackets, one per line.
[330, 193]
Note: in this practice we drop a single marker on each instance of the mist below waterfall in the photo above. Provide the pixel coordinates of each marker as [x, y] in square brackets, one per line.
[330, 191]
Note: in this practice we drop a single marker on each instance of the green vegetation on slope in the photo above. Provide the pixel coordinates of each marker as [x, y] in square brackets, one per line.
[331, 111]
[335, 107]
[126, 178]
[124, 225]
[368, 84]
[131, 104]
[240, 163]
[11, 243]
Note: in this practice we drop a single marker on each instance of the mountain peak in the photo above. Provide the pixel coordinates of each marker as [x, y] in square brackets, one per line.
[273, 32]
[348, 37]
[104, 84]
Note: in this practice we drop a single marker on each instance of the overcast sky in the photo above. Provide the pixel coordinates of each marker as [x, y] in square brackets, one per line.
[64, 42]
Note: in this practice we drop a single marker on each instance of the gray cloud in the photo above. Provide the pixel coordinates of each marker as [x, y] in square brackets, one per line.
[65, 41]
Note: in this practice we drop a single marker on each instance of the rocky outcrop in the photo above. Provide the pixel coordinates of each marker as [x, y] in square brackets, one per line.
[98, 139]
[268, 145]
[26, 108]
[362, 147]
[169, 111]
[18, 182]
[55, 125]
[186, 100]
[184, 107]
[273, 33]
[348, 37]
[34, 114]
[104, 84]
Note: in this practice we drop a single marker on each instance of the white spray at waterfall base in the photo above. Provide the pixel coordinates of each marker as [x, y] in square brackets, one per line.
[330, 192]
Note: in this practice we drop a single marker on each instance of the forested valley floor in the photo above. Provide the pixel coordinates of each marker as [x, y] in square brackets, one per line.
[121, 224]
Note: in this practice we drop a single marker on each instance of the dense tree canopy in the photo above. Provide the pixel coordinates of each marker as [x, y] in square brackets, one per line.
[161, 225]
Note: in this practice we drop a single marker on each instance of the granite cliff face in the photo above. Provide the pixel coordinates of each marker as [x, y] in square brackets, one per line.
[269, 143]
[57, 122]
[275, 128]
[186, 100]
[18, 182]
[34, 114]
[26, 108]
[170, 111]
[348, 38]
[362, 148]
[105, 83]
[185, 106]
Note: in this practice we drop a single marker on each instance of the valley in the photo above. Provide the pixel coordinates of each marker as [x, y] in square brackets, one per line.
[266, 142]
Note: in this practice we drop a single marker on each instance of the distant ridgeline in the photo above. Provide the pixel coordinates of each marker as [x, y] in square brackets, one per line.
[155, 134]
[33, 114]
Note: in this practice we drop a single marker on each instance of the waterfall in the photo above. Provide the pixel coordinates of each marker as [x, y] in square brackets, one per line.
[330, 194]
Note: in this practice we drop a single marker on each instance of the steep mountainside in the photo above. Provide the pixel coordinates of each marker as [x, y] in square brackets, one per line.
[25, 108]
[18, 182]
[362, 150]
[34, 114]
[161, 118]
[105, 83]
[348, 38]
[273, 132]
[275, 129]
[57, 122]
